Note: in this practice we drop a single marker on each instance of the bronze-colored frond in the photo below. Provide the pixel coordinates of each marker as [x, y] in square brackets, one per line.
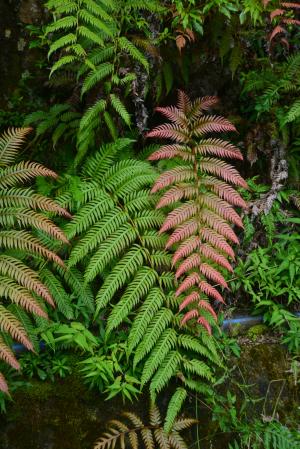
[22, 218]
[138, 434]
[202, 224]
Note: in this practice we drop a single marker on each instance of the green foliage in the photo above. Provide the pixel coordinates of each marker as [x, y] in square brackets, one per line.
[267, 436]
[276, 90]
[91, 38]
[116, 240]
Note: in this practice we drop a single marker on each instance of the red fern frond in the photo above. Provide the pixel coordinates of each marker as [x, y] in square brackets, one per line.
[277, 12]
[3, 384]
[209, 290]
[221, 207]
[193, 261]
[171, 151]
[290, 5]
[277, 30]
[7, 355]
[177, 193]
[216, 240]
[9, 324]
[189, 316]
[206, 306]
[219, 225]
[212, 124]
[186, 248]
[202, 223]
[184, 103]
[172, 176]
[223, 170]
[174, 114]
[210, 273]
[191, 280]
[202, 104]
[210, 253]
[218, 147]
[204, 323]
[183, 232]
[288, 21]
[192, 297]
[179, 215]
[169, 131]
[225, 191]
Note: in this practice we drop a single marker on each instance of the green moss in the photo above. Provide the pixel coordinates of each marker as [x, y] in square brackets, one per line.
[255, 331]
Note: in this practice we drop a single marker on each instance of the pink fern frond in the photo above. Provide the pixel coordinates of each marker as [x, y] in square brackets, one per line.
[177, 193]
[171, 151]
[209, 290]
[173, 176]
[189, 316]
[186, 248]
[219, 225]
[217, 241]
[290, 5]
[212, 124]
[179, 215]
[192, 297]
[210, 253]
[223, 170]
[184, 103]
[7, 355]
[191, 280]
[193, 261]
[221, 207]
[3, 384]
[174, 114]
[183, 232]
[204, 323]
[169, 131]
[218, 147]
[206, 306]
[225, 191]
[202, 104]
[277, 30]
[277, 12]
[212, 274]
[288, 21]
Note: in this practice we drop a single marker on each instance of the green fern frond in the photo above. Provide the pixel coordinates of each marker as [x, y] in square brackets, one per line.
[138, 288]
[174, 407]
[164, 345]
[167, 370]
[153, 302]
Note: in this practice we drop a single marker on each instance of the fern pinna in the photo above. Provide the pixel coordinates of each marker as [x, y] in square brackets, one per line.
[198, 191]
[21, 219]
[116, 237]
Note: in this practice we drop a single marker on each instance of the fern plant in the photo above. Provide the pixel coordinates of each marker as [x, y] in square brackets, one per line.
[277, 92]
[91, 37]
[138, 434]
[21, 218]
[198, 191]
[116, 240]
[282, 15]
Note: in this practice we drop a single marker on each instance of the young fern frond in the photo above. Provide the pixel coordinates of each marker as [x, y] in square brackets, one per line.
[201, 223]
[21, 217]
